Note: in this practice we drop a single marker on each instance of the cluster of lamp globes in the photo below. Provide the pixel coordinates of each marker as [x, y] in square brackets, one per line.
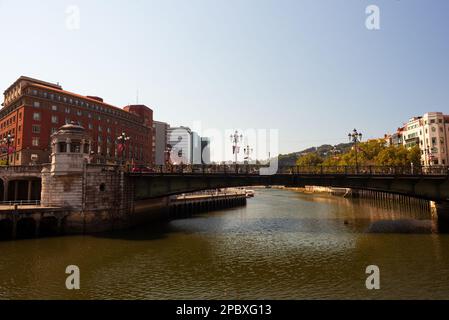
[235, 139]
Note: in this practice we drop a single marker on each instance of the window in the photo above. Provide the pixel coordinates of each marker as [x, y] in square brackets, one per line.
[75, 147]
[90, 126]
[36, 128]
[54, 119]
[67, 120]
[62, 147]
[79, 113]
[53, 130]
[36, 116]
[35, 142]
[67, 110]
[100, 129]
[36, 104]
[54, 108]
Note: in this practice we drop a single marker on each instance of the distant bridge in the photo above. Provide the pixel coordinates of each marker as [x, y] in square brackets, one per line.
[430, 183]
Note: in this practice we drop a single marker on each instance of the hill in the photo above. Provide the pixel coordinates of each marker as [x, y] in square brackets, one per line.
[323, 151]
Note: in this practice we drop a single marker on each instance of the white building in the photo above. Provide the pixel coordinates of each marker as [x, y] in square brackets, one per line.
[205, 150]
[187, 147]
[179, 140]
[430, 132]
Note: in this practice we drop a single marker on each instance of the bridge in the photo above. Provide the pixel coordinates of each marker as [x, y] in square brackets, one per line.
[91, 198]
[429, 183]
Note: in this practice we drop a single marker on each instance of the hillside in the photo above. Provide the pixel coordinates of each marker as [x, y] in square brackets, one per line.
[323, 151]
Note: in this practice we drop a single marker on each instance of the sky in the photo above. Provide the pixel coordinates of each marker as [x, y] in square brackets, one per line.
[310, 69]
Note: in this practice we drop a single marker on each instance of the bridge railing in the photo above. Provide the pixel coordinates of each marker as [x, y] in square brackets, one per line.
[249, 169]
[21, 169]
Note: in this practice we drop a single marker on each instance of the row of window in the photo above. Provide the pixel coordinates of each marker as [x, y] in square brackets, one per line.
[80, 103]
[55, 120]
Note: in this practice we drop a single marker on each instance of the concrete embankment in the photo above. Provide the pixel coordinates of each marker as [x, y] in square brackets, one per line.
[17, 222]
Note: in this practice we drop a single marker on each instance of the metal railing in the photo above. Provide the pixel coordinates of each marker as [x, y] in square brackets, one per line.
[20, 203]
[293, 170]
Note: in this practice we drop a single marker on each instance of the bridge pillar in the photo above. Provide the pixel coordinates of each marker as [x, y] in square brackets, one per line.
[442, 209]
[30, 184]
[16, 190]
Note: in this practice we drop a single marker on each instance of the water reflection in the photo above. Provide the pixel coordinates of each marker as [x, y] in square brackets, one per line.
[282, 245]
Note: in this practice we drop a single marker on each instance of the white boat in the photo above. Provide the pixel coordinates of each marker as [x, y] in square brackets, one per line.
[249, 193]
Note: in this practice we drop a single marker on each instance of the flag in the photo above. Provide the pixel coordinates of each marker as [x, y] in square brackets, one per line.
[121, 148]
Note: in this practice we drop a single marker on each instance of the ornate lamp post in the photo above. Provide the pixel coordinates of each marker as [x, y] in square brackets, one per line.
[236, 139]
[247, 151]
[167, 151]
[8, 140]
[121, 142]
[355, 137]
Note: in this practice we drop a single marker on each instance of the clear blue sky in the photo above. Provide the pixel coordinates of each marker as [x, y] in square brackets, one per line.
[308, 68]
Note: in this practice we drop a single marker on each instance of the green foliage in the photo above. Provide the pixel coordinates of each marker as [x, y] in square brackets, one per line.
[370, 153]
[309, 160]
[398, 156]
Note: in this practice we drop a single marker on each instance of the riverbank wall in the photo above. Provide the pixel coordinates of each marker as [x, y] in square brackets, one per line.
[20, 222]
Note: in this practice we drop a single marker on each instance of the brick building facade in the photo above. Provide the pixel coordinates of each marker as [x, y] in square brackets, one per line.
[33, 109]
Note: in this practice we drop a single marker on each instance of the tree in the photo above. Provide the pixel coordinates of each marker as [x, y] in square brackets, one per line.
[398, 156]
[309, 160]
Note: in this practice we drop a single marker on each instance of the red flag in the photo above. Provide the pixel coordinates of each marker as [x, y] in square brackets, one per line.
[120, 148]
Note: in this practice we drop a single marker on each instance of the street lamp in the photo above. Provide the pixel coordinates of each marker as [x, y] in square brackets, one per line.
[168, 150]
[121, 141]
[247, 151]
[8, 140]
[355, 137]
[235, 139]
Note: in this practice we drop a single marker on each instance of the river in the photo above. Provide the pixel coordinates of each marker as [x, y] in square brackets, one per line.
[282, 245]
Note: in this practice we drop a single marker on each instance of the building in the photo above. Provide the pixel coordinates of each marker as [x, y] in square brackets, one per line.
[179, 142]
[430, 132]
[196, 149]
[205, 150]
[160, 142]
[33, 110]
[187, 147]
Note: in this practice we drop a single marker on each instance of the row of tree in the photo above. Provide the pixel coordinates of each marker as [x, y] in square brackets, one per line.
[370, 153]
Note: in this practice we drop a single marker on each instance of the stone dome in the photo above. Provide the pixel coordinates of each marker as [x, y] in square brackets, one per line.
[71, 127]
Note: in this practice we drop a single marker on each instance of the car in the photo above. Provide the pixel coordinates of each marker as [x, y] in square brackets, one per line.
[142, 169]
